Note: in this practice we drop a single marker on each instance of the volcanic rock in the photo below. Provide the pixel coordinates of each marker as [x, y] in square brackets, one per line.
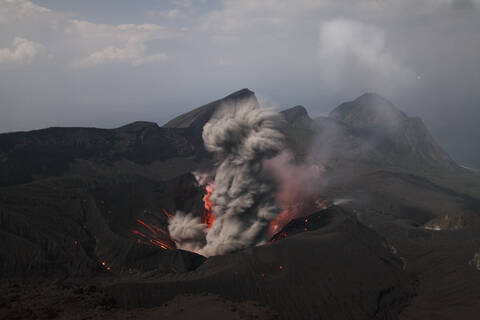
[70, 227]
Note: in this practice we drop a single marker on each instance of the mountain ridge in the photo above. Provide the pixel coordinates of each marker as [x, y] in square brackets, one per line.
[350, 131]
[197, 117]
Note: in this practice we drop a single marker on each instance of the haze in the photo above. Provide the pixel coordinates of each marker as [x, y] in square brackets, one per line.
[108, 63]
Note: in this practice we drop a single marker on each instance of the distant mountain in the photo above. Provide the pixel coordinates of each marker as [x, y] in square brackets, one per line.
[299, 131]
[370, 111]
[297, 116]
[368, 131]
[139, 146]
[405, 140]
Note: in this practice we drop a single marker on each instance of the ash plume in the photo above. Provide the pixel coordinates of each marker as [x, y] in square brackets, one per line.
[240, 136]
[187, 231]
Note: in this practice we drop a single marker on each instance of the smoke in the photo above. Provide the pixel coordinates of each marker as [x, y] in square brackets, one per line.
[187, 231]
[299, 188]
[240, 136]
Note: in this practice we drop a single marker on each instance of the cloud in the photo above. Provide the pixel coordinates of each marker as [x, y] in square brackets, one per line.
[128, 43]
[347, 48]
[81, 43]
[11, 10]
[23, 51]
[174, 13]
[133, 52]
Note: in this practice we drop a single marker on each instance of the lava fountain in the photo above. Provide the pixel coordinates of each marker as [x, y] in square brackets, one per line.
[208, 217]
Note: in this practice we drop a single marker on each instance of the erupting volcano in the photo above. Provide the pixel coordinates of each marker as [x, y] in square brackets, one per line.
[240, 203]
[251, 210]
[256, 189]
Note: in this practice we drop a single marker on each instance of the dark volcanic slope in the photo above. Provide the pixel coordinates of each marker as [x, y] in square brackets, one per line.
[340, 270]
[67, 227]
[70, 197]
[32, 155]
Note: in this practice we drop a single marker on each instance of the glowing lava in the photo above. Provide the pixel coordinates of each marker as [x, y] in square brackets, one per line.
[292, 209]
[151, 235]
[299, 187]
[208, 217]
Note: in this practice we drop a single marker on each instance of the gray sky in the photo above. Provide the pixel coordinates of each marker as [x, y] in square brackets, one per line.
[110, 62]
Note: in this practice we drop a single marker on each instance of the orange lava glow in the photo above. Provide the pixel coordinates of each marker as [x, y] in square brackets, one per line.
[298, 188]
[151, 235]
[208, 217]
[291, 209]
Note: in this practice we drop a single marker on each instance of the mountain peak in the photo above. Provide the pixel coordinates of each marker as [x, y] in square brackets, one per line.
[138, 126]
[296, 113]
[243, 93]
[370, 110]
[199, 116]
[391, 133]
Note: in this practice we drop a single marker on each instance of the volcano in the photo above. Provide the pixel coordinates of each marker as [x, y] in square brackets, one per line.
[84, 216]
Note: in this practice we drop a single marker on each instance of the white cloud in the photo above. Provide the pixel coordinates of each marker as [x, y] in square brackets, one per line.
[173, 14]
[133, 53]
[127, 43]
[78, 43]
[23, 51]
[347, 48]
[183, 3]
[11, 10]
[236, 16]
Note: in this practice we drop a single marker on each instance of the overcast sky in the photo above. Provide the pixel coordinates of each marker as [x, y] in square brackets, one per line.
[110, 62]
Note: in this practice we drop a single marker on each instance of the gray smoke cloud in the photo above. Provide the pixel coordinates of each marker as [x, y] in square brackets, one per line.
[241, 136]
[187, 231]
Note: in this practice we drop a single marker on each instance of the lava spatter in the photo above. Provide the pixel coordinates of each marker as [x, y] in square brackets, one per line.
[208, 217]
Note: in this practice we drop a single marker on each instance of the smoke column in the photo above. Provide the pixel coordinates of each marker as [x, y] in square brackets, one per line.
[299, 187]
[240, 136]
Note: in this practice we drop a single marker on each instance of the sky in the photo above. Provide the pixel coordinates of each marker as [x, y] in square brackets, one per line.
[111, 62]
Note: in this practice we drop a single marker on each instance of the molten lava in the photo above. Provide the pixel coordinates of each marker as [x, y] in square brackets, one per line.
[151, 235]
[299, 186]
[208, 217]
[293, 208]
